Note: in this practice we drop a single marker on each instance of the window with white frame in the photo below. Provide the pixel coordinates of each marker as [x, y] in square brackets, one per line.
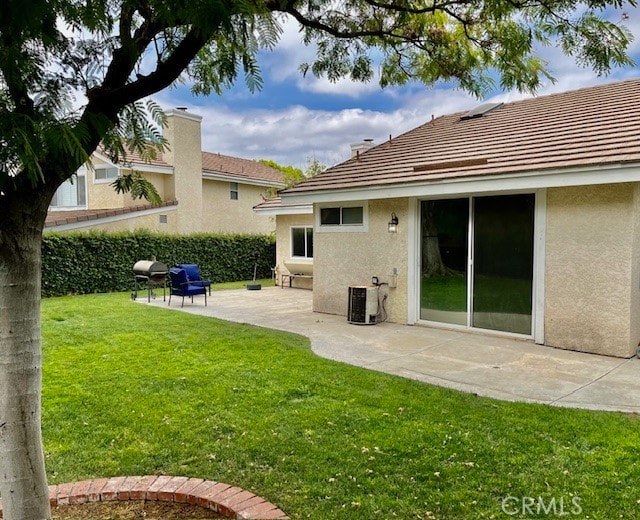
[106, 173]
[72, 193]
[347, 217]
[233, 190]
[302, 242]
[342, 216]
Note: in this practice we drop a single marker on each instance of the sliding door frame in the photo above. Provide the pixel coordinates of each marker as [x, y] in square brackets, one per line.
[415, 267]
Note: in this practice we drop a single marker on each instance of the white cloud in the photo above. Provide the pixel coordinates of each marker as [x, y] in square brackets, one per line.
[294, 134]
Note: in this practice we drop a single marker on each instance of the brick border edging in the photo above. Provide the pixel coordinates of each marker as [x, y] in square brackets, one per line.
[228, 501]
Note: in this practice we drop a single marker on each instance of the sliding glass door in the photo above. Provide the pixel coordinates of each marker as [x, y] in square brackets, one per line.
[445, 237]
[477, 262]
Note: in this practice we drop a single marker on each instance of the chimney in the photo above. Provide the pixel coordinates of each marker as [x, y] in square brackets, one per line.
[359, 148]
[183, 134]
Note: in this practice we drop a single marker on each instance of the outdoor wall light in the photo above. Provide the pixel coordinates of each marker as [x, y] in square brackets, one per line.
[393, 223]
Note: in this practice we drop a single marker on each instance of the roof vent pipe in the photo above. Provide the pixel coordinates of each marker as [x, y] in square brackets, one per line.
[361, 147]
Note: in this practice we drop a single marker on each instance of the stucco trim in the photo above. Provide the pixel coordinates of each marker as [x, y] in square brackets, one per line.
[150, 168]
[240, 180]
[183, 114]
[413, 262]
[539, 253]
[306, 209]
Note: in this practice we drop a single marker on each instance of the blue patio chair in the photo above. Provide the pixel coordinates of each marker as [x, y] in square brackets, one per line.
[195, 277]
[180, 286]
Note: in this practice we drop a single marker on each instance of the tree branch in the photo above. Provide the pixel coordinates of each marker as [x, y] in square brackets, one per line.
[110, 101]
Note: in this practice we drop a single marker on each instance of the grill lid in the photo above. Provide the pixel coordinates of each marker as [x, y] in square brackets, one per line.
[149, 268]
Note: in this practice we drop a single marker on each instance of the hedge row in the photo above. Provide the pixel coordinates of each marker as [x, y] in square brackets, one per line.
[81, 263]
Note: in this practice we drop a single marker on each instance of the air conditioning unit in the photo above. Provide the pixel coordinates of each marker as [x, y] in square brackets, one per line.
[363, 305]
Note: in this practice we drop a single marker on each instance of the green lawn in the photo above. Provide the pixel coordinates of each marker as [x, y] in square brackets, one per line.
[491, 294]
[131, 389]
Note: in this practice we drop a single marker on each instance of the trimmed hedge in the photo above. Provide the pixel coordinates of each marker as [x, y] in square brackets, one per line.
[81, 263]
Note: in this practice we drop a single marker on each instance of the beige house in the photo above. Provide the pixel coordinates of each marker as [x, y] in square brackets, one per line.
[520, 218]
[201, 191]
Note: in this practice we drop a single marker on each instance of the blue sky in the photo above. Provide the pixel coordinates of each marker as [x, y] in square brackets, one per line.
[296, 119]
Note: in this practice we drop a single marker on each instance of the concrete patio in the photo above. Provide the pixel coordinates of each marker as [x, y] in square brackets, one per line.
[486, 365]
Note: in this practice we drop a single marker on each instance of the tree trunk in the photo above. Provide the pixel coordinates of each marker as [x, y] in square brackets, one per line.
[432, 264]
[23, 481]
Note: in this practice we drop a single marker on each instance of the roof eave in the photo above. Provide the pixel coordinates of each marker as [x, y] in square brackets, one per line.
[521, 181]
[300, 209]
[230, 177]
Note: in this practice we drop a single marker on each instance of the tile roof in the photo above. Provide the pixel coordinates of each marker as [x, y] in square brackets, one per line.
[243, 169]
[275, 205]
[269, 204]
[59, 218]
[134, 157]
[592, 126]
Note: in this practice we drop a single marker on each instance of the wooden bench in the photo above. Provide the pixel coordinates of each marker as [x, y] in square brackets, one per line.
[296, 270]
[291, 276]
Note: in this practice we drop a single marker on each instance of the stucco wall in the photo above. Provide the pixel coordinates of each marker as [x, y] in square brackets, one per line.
[159, 182]
[591, 270]
[100, 194]
[223, 215]
[284, 223]
[635, 273]
[342, 259]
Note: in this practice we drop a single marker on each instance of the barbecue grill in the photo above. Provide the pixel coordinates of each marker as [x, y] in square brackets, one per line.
[152, 274]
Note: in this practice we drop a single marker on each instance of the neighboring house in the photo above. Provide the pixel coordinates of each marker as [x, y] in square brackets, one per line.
[201, 191]
[521, 218]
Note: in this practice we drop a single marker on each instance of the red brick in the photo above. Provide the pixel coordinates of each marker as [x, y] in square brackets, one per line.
[200, 491]
[225, 493]
[247, 504]
[111, 488]
[93, 494]
[183, 492]
[78, 494]
[227, 506]
[225, 499]
[256, 511]
[158, 485]
[139, 490]
[64, 490]
[207, 500]
[124, 493]
[166, 494]
[53, 496]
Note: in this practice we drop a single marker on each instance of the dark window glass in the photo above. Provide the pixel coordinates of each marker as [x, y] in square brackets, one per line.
[302, 242]
[330, 216]
[310, 242]
[352, 215]
[298, 241]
